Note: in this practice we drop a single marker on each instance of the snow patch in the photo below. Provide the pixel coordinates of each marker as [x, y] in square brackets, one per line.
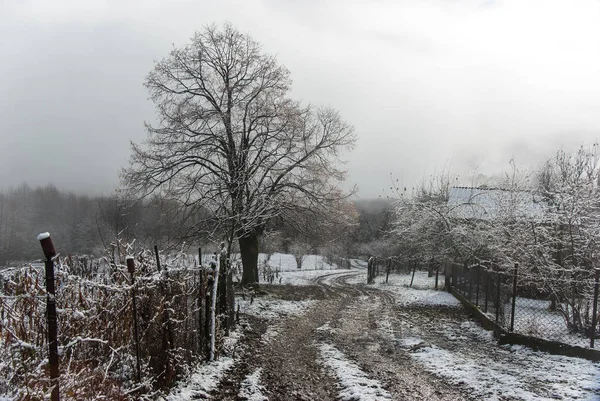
[207, 376]
[251, 389]
[271, 333]
[354, 383]
[496, 380]
[42, 236]
[326, 328]
[422, 292]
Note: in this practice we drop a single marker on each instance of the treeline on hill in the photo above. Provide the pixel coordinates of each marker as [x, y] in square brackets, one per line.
[82, 224]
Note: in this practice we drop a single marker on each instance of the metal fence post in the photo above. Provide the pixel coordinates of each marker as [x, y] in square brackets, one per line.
[477, 268]
[595, 308]
[50, 254]
[131, 269]
[437, 275]
[486, 278]
[454, 273]
[470, 278]
[514, 299]
[387, 272]
[498, 289]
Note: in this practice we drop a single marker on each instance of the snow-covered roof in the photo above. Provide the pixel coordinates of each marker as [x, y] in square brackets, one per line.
[490, 204]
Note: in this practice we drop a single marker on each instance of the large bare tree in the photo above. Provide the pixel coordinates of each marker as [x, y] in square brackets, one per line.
[230, 140]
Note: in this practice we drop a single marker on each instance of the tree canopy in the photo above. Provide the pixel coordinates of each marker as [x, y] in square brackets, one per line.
[230, 139]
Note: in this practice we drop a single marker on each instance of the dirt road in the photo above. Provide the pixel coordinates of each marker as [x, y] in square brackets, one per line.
[350, 320]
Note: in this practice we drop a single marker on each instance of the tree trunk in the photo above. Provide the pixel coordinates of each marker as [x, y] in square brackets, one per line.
[249, 253]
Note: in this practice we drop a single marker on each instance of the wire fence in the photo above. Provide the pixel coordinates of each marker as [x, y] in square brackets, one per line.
[561, 306]
[97, 342]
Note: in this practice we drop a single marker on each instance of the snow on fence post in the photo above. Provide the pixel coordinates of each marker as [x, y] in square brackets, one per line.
[595, 308]
[514, 299]
[131, 269]
[50, 255]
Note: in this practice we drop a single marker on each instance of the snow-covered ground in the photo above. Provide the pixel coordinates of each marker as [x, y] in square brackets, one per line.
[207, 376]
[251, 388]
[422, 291]
[508, 371]
[464, 354]
[457, 351]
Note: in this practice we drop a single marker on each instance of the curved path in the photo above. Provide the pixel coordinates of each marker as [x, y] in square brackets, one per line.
[354, 319]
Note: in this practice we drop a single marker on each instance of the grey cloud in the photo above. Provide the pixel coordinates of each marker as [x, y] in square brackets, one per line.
[426, 84]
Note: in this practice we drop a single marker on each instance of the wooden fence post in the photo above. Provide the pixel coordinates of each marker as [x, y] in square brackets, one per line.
[222, 290]
[131, 269]
[50, 254]
[230, 299]
[201, 305]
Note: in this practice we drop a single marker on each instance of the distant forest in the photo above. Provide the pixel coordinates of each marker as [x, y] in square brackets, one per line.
[82, 224]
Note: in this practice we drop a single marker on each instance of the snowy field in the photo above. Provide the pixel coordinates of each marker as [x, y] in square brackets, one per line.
[284, 271]
[422, 291]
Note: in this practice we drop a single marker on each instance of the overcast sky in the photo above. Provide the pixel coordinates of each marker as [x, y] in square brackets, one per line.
[427, 84]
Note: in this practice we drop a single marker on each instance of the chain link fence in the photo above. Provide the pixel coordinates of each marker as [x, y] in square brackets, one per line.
[560, 307]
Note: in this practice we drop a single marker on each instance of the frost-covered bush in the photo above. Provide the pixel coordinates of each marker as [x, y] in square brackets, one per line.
[96, 329]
